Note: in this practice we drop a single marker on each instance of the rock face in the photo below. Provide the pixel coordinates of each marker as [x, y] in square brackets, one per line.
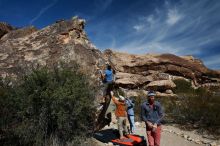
[64, 41]
[18, 33]
[161, 84]
[132, 80]
[5, 28]
[158, 71]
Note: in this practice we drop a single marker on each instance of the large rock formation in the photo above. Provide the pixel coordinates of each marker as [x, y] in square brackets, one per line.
[157, 71]
[64, 41]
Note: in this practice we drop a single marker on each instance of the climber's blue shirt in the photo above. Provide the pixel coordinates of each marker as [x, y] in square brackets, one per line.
[108, 75]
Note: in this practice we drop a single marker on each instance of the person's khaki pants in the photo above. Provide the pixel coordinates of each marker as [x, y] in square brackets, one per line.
[122, 126]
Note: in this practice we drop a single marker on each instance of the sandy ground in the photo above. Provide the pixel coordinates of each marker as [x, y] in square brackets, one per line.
[168, 138]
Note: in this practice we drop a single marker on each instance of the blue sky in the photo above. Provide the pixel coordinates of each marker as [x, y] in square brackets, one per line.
[181, 27]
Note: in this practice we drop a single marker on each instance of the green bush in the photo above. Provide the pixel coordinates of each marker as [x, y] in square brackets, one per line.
[7, 113]
[197, 110]
[54, 103]
[183, 86]
[141, 98]
[198, 107]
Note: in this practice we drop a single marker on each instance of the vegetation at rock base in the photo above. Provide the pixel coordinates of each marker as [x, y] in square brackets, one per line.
[47, 107]
[192, 108]
[197, 108]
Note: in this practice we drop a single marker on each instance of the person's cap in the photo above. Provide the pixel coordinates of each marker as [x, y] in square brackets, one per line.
[121, 97]
[151, 94]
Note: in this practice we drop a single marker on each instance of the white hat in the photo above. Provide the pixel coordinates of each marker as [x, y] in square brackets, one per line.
[121, 97]
[151, 93]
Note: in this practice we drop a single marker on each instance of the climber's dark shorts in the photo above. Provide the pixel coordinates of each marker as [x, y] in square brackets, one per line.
[107, 88]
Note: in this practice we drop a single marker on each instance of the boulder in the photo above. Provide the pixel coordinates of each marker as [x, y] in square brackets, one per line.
[169, 91]
[132, 80]
[132, 93]
[63, 42]
[26, 48]
[162, 84]
[159, 94]
[162, 66]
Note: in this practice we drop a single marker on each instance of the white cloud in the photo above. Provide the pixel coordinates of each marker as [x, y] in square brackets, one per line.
[167, 3]
[42, 11]
[150, 19]
[112, 41]
[138, 27]
[157, 11]
[173, 16]
[212, 61]
[102, 5]
[149, 47]
[144, 23]
[181, 28]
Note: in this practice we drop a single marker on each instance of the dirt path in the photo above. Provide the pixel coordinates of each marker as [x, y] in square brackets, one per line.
[168, 138]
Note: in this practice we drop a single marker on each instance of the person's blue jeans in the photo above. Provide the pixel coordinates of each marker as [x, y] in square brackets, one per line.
[131, 121]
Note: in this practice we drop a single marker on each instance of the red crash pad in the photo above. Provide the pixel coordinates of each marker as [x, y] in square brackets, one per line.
[130, 140]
